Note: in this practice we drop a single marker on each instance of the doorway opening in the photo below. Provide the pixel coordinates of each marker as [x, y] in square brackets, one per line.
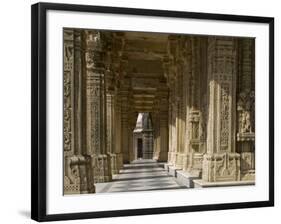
[143, 137]
[139, 149]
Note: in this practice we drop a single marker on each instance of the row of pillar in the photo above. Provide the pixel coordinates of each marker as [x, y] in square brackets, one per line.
[203, 120]
[95, 116]
[202, 74]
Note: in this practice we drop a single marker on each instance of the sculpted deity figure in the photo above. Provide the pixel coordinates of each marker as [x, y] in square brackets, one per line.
[245, 107]
[89, 60]
[246, 122]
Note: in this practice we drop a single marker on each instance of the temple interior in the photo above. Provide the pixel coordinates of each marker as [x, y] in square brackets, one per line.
[156, 111]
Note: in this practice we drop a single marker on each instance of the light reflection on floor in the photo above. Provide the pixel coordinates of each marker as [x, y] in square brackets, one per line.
[140, 175]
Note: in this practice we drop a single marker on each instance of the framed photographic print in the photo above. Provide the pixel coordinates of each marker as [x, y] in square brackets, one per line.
[139, 111]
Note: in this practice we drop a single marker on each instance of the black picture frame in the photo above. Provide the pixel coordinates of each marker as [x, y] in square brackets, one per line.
[38, 108]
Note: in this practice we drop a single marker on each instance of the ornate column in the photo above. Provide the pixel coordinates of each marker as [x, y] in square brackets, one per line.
[221, 162]
[173, 126]
[175, 79]
[110, 104]
[187, 98]
[171, 121]
[117, 46]
[125, 122]
[160, 123]
[131, 127]
[110, 136]
[156, 134]
[118, 125]
[196, 79]
[78, 178]
[163, 128]
[246, 108]
[180, 121]
[96, 105]
[170, 71]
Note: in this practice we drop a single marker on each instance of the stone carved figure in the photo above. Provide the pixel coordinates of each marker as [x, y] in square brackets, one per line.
[245, 107]
[68, 52]
[89, 60]
[245, 121]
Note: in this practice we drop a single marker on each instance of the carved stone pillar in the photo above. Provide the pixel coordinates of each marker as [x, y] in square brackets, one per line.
[96, 106]
[174, 110]
[110, 107]
[131, 143]
[163, 155]
[156, 134]
[118, 125]
[172, 128]
[131, 127]
[221, 162]
[196, 79]
[180, 123]
[175, 81]
[160, 123]
[110, 98]
[78, 178]
[170, 72]
[246, 108]
[117, 45]
[125, 123]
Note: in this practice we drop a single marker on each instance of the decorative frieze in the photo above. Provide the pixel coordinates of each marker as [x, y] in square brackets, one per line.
[68, 91]
[221, 167]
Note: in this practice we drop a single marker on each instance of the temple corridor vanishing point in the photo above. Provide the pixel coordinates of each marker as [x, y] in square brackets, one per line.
[153, 111]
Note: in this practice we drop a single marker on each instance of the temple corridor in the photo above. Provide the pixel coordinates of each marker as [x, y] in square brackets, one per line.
[146, 111]
[140, 175]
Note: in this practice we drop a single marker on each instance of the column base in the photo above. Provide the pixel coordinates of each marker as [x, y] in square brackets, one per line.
[171, 169]
[162, 157]
[221, 167]
[102, 168]
[187, 178]
[113, 163]
[119, 161]
[156, 155]
[250, 175]
[76, 180]
[172, 158]
[202, 184]
[179, 161]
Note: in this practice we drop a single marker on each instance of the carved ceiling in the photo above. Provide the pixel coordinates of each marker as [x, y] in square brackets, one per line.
[144, 53]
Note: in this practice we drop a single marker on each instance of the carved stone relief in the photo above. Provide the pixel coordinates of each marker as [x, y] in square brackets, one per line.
[246, 112]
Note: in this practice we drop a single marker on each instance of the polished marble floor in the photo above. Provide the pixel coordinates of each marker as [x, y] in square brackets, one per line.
[140, 175]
